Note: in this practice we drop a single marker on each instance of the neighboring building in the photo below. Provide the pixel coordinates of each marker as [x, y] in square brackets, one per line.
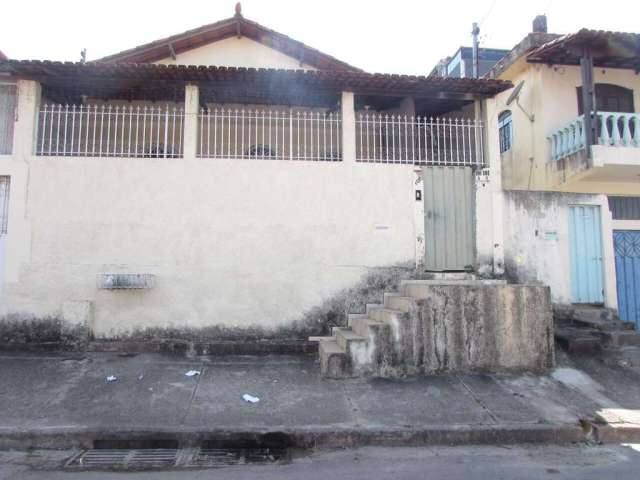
[460, 64]
[169, 190]
[571, 211]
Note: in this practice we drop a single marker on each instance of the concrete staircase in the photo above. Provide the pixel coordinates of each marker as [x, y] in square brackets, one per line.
[450, 324]
[588, 329]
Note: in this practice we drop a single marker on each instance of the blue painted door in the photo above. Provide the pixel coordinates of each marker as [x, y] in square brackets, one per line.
[585, 244]
[626, 244]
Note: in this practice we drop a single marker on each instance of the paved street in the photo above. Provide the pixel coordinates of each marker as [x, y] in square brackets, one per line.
[548, 462]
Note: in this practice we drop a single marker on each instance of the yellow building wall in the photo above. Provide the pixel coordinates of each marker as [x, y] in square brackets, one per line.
[550, 94]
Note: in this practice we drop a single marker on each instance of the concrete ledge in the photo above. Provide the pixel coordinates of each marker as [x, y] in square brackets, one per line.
[618, 433]
[302, 437]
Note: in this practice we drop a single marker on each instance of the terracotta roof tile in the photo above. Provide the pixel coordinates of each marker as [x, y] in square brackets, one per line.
[359, 82]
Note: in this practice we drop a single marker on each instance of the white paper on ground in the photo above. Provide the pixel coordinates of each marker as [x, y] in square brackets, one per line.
[192, 373]
[250, 398]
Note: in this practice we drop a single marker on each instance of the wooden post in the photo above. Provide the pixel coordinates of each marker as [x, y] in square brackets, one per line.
[588, 100]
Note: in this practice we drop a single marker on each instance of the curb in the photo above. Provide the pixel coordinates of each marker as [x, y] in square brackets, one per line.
[304, 437]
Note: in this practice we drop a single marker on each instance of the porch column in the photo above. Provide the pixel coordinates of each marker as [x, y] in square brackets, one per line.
[191, 107]
[408, 107]
[25, 129]
[588, 104]
[348, 128]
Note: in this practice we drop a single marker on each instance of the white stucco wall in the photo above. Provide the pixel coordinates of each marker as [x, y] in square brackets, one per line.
[537, 245]
[233, 243]
[236, 52]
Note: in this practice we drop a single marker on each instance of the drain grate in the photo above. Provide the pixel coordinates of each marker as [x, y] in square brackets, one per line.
[164, 458]
[219, 457]
[124, 459]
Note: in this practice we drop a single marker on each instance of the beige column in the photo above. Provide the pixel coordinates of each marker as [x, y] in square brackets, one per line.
[348, 128]
[25, 129]
[491, 150]
[191, 108]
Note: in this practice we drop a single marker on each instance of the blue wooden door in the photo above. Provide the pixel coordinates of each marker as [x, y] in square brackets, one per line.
[585, 244]
[626, 244]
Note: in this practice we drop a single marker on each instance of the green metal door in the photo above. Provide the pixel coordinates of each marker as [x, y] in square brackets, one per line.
[449, 220]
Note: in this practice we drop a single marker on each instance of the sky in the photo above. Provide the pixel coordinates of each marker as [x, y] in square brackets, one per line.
[399, 36]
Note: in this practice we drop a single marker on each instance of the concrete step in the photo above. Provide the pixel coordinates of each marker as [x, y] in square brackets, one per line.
[378, 352]
[603, 325]
[345, 337]
[397, 301]
[385, 315]
[334, 361]
[594, 313]
[626, 338]
[365, 326]
[578, 340]
[353, 316]
[420, 289]
[453, 276]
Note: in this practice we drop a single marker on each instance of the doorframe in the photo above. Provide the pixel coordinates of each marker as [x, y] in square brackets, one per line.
[608, 255]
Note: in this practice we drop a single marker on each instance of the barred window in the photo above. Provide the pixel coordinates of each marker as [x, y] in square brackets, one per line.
[4, 204]
[505, 130]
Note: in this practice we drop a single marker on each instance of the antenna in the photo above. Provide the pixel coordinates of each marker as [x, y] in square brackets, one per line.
[515, 95]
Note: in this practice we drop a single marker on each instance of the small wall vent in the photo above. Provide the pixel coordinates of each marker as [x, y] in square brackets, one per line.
[126, 281]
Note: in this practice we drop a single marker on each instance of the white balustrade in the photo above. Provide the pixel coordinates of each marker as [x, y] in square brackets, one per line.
[616, 129]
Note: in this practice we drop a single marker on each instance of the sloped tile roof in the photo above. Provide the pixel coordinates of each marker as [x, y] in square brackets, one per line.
[229, 27]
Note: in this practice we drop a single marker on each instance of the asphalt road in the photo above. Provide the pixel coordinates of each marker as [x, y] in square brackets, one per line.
[515, 462]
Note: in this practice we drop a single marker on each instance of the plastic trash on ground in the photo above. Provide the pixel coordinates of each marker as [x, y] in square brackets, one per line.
[250, 398]
[111, 378]
[192, 373]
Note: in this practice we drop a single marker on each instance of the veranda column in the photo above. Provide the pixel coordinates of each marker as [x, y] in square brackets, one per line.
[191, 107]
[25, 128]
[348, 128]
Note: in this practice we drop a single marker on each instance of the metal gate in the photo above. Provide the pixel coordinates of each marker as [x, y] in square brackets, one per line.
[449, 221]
[585, 245]
[626, 244]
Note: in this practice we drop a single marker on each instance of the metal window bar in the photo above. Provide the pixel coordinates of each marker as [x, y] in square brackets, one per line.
[399, 139]
[266, 134]
[110, 131]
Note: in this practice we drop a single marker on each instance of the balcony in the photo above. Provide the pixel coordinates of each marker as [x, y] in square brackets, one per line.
[615, 154]
[242, 132]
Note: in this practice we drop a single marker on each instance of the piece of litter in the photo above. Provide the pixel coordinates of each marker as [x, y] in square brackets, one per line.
[112, 378]
[141, 376]
[192, 373]
[250, 398]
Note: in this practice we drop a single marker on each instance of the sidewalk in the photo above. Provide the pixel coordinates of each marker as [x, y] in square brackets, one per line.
[66, 402]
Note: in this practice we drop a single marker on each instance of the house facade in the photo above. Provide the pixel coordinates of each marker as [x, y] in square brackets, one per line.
[572, 179]
[230, 182]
